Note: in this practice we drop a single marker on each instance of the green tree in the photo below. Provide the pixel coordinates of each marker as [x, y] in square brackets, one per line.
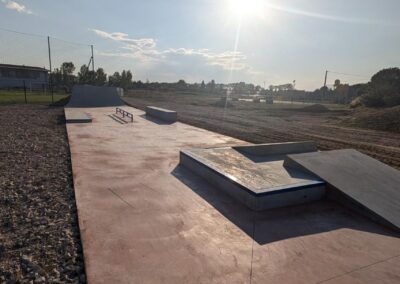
[67, 70]
[383, 89]
[56, 77]
[126, 79]
[211, 86]
[83, 74]
[101, 77]
[336, 84]
[181, 84]
[115, 80]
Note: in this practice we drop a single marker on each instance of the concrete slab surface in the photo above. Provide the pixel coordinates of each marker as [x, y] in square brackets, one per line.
[367, 182]
[144, 219]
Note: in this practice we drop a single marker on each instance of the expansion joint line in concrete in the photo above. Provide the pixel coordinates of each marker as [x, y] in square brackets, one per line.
[123, 200]
[360, 268]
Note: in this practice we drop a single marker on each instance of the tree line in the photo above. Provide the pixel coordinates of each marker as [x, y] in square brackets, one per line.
[382, 90]
[64, 77]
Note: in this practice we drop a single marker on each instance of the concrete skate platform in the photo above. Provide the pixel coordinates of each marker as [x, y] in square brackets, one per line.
[77, 117]
[145, 219]
[162, 114]
[356, 180]
[255, 175]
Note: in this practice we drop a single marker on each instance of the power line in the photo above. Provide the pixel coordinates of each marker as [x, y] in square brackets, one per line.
[49, 48]
[22, 33]
[347, 74]
[43, 36]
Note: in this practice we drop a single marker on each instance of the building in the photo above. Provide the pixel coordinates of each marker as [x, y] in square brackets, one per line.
[16, 76]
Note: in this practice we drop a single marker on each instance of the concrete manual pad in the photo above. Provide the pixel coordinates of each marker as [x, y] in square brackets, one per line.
[255, 175]
[77, 116]
[161, 113]
[144, 219]
[366, 181]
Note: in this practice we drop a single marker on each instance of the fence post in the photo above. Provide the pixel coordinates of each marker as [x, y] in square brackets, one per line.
[25, 92]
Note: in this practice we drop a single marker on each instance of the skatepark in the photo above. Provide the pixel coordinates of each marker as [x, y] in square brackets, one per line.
[160, 201]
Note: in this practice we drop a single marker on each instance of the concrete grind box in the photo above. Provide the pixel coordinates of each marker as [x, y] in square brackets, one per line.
[255, 174]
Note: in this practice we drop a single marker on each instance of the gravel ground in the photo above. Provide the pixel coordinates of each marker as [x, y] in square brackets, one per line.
[39, 234]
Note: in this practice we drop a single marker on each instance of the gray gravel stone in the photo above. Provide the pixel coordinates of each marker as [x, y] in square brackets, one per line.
[38, 218]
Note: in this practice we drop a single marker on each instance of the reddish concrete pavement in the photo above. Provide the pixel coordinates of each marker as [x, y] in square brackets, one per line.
[143, 219]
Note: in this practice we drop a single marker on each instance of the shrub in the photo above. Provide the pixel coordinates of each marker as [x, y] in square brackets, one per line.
[384, 89]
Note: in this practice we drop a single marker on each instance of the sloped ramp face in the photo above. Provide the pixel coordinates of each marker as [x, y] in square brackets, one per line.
[95, 96]
[357, 180]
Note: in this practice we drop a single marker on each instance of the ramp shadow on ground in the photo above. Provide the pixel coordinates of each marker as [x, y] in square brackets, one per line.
[117, 119]
[282, 223]
[155, 120]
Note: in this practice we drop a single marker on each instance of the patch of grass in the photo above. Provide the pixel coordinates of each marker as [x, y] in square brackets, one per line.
[18, 97]
[386, 119]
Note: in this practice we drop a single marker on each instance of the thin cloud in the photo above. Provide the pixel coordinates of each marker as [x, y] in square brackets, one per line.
[329, 17]
[141, 43]
[20, 8]
[145, 50]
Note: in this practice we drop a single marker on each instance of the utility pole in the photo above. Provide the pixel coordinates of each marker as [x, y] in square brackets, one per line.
[51, 85]
[323, 92]
[91, 47]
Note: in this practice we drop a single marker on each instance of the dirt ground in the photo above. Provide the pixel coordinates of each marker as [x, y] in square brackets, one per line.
[39, 234]
[263, 123]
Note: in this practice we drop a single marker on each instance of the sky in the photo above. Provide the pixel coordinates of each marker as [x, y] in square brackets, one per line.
[257, 41]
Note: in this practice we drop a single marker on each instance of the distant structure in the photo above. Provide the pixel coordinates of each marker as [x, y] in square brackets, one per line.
[283, 87]
[16, 76]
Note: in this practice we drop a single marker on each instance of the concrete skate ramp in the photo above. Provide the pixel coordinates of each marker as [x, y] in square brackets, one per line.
[94, 96]
[358, 180]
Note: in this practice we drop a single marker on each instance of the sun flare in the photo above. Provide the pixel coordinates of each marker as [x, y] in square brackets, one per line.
[246, 8]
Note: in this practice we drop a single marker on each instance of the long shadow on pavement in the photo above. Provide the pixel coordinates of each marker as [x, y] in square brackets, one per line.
[281, 223]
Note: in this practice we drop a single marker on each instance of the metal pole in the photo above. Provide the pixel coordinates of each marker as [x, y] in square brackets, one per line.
[51, 85]
[25, 93]
[91, 47]
[323, 93]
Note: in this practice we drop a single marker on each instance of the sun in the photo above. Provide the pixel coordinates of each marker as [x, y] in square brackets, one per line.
[246, 8]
